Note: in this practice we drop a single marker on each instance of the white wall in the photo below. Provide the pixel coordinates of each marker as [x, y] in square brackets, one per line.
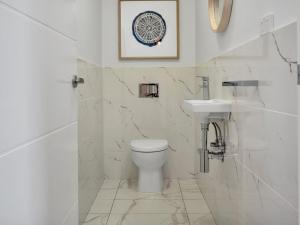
[38, 135]
[89, 33]
[244, 24]
[110, 38]
[298, 107]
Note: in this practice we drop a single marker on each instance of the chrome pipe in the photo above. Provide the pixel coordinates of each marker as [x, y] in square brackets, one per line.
[204, 159]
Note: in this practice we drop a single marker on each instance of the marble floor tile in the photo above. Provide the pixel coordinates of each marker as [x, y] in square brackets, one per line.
[96, 219]
[128, 190]
[148, 206]
[110, 184]
[101, 206]
[107, 194]
[188, 184]
[148, 219]
[201, 219]
[119, 203]
[192, 194]
[196, 206]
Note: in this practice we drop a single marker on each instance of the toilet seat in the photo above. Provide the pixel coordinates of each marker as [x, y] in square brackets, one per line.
[149, 145]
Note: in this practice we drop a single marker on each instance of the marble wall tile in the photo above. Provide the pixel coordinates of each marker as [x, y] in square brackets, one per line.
[257, 183]
[267, 146]
[264, 59]
[127, 117]
[235, 195]
[90, 136]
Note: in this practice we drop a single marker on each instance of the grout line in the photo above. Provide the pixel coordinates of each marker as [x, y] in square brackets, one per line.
[40, 22]
[83, 100]
[69, 213]
[269, 110]
[261, 179]
[113, 202]
[206, 202]
[36, 139]
[239, 45]
[184, 202]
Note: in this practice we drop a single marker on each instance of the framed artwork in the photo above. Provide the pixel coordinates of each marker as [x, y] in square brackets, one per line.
[148, 29]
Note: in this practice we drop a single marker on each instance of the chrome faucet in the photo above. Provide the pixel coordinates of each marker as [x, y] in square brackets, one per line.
[205, 87]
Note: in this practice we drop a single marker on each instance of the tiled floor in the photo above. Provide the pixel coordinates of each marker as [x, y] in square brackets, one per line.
[118, 203]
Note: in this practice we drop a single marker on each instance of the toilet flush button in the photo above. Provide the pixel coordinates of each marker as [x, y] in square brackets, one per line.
[149, 90]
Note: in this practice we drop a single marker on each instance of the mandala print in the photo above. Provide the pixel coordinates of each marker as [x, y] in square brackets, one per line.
[149, 28]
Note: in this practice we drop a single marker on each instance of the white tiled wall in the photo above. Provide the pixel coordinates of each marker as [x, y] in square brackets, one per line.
[90, 136]
[258, 182]
[298, 101]
[38, 180]
[55, 14]
[38, 135]
[298, 147]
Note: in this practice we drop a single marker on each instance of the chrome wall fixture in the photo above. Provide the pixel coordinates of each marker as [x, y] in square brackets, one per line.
[77, 80]
[240, 83]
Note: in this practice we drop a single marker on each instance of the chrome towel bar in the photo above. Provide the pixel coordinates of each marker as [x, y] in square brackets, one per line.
[240, 83]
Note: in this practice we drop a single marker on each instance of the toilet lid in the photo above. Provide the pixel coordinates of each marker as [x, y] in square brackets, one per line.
[149, 145]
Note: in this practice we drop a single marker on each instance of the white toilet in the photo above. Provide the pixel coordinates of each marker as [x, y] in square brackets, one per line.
[149, 156]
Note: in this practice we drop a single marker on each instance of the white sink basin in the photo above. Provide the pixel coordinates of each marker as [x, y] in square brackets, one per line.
[214, 105]
[204, 107]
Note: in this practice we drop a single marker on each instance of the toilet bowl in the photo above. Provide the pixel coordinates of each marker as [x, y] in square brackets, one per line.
[149, 156]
